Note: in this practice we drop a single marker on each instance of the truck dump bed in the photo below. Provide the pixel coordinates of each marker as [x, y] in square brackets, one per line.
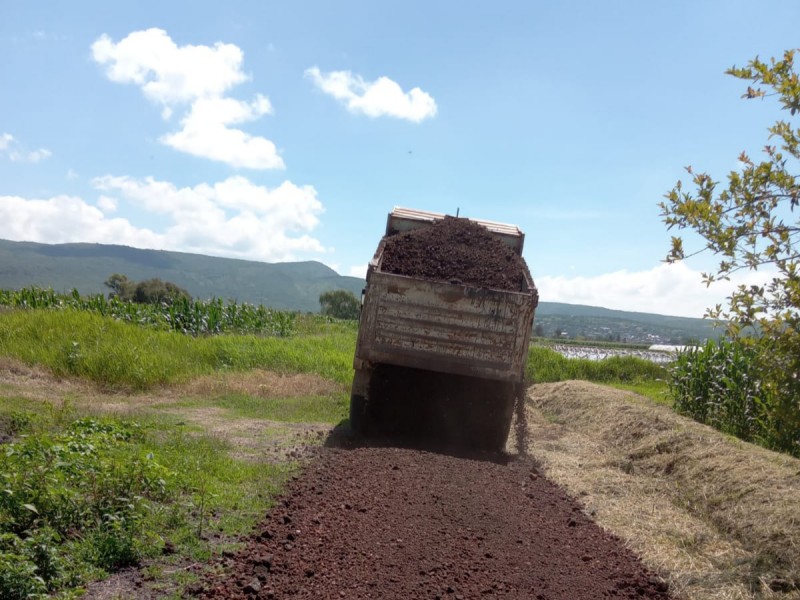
[441, 326]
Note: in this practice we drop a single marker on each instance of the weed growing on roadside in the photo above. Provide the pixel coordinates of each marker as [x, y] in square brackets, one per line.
[100, 494]
[87, 488]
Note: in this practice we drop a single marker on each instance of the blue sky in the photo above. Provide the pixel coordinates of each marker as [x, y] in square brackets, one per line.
[279, 131]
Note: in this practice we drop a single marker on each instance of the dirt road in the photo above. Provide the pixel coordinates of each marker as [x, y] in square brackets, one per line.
[383, 522]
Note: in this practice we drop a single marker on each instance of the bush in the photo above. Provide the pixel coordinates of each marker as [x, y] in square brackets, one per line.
[155, 291]
[18, 577]
[149, 291]
[88, 487]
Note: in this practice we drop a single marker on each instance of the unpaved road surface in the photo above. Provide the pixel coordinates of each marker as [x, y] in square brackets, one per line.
[385, 522]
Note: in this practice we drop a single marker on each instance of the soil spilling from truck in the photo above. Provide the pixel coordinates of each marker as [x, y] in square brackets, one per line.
[457, 251]
[440, 409]
[395, 523]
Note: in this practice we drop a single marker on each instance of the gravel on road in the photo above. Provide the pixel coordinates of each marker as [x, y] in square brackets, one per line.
[388, 522]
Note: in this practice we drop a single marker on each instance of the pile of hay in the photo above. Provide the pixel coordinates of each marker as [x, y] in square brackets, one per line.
[748, 495]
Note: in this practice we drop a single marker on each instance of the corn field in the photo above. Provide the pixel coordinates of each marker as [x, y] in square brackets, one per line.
[724, 384]
[191, 317]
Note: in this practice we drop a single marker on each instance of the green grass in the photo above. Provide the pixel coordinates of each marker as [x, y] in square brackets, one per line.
[122, 355]
[546, 365]
[329, 409]
[220, 495]
[656, 390]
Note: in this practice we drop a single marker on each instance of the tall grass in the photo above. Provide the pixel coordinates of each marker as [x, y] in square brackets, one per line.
[193, 317]
[546, 365]
[118, 354]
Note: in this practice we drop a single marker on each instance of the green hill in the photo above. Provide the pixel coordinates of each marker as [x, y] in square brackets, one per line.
[291, 285]
[295, 286]
[575, 321]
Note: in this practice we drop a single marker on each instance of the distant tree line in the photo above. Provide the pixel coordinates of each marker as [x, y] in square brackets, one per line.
[340, 304]
[149, 291]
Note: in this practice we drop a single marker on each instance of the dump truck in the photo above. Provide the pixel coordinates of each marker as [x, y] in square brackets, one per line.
[443, 351]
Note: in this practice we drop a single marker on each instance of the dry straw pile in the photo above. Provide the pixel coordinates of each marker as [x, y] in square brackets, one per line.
[719, 518]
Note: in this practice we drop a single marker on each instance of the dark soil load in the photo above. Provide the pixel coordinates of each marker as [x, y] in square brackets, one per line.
[455, 251]
[374, 522]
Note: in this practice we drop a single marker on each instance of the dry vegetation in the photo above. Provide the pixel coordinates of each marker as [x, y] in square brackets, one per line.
[717, 517]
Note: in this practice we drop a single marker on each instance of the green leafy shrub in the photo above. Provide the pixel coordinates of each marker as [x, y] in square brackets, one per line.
[340, 304]
[114, 545]
[89, 487]
[19, 579]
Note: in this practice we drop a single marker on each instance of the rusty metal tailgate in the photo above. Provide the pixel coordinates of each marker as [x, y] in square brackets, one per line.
[445, 327]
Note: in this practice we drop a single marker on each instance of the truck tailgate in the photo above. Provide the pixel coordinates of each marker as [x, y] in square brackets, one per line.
[445, 327]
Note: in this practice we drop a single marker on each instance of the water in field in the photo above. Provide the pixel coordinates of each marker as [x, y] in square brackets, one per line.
[657, 356]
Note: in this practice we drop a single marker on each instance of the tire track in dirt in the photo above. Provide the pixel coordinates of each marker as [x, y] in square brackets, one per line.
[386, 522]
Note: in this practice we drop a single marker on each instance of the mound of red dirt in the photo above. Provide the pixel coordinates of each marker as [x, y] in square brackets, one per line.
[379, 522]
[456, 251]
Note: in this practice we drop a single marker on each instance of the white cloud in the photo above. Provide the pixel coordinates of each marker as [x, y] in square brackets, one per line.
[194, 79]
[382, 97]
[358, 271]
[167, 73]
[205, 133]
[16, 152]
[666, 289]
[234, 217]
[64, 219]
[107, 204]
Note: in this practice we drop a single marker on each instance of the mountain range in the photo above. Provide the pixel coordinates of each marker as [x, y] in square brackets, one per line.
[289, 286]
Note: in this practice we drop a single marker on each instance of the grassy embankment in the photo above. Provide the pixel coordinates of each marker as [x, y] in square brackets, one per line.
[118, 485]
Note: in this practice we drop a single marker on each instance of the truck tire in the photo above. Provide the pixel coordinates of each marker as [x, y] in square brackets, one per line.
[358, 415]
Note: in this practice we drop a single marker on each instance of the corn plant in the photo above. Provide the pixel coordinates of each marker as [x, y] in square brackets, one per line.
[729, 385]
[191, 317]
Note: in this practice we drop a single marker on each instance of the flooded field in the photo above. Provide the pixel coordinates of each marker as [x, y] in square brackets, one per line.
[594, 353]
